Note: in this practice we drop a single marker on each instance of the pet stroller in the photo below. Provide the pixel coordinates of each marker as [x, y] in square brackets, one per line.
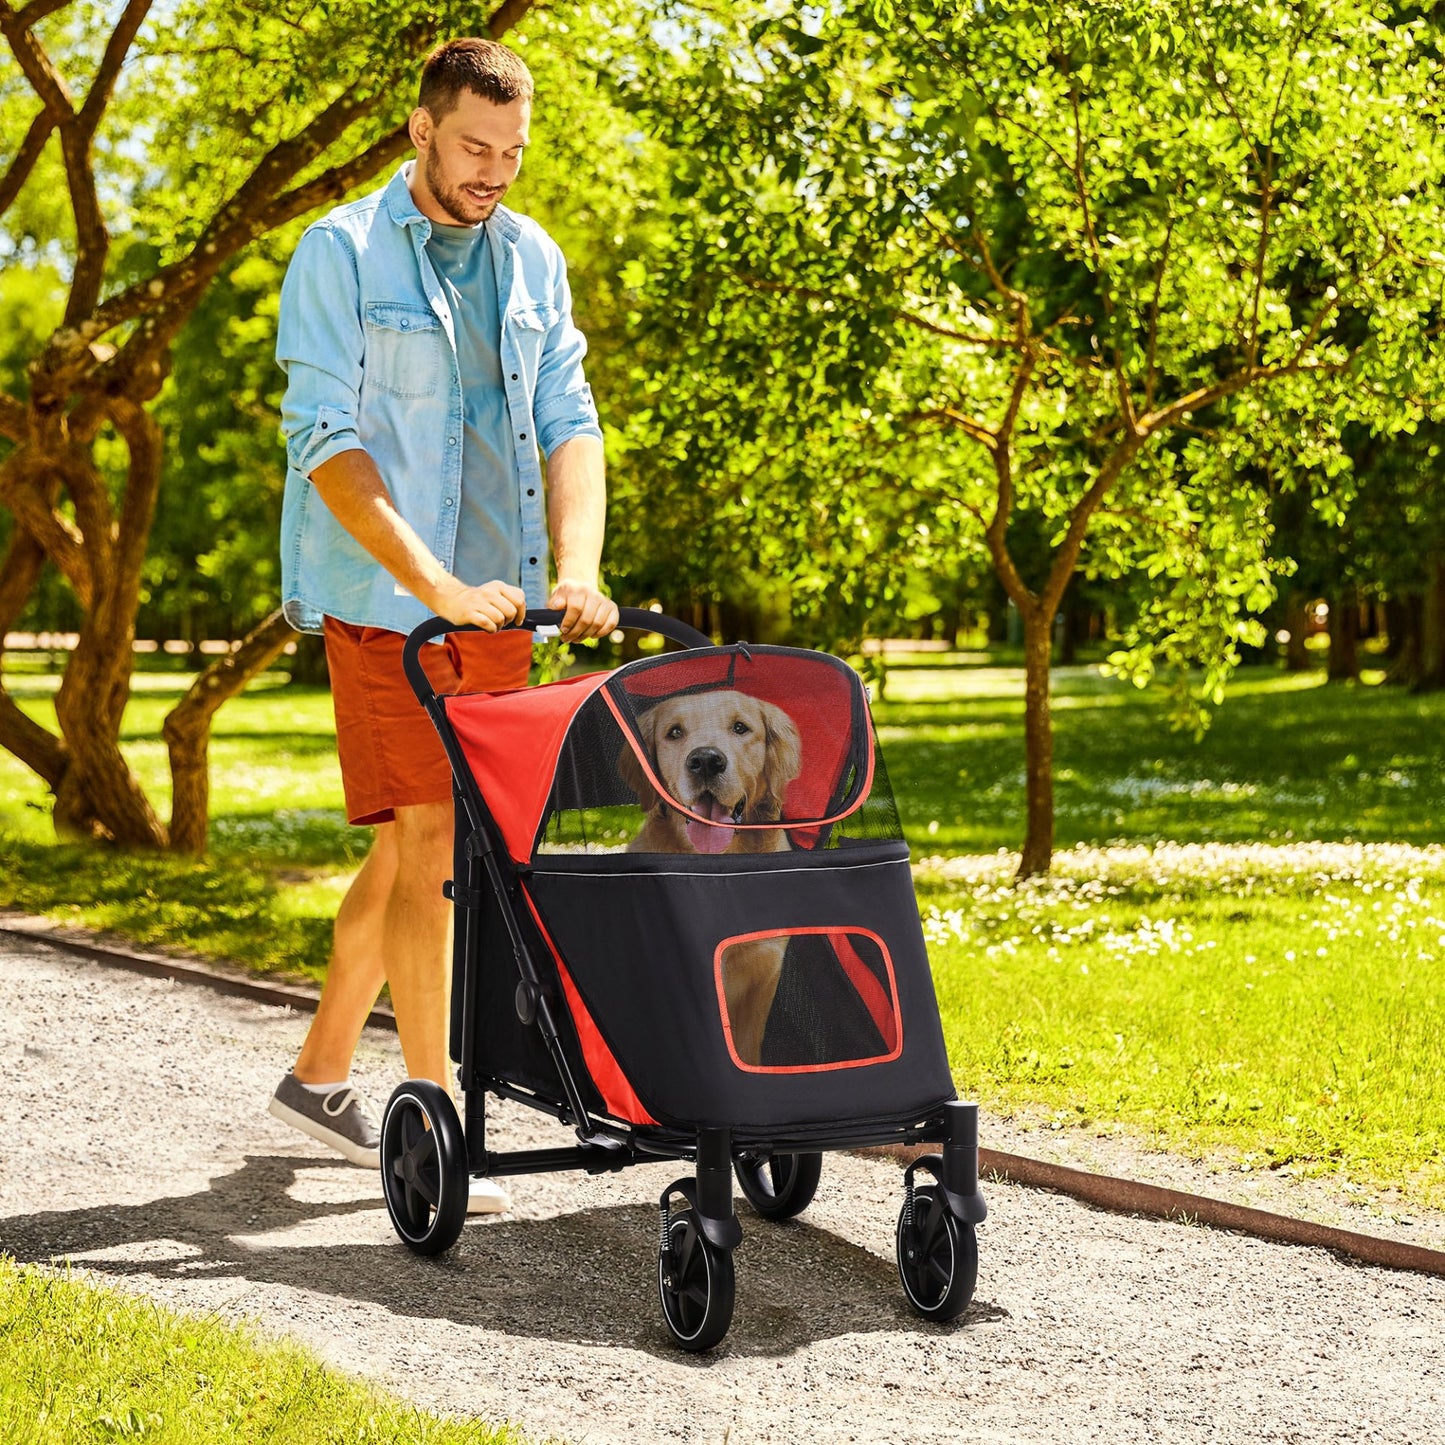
[686, 928]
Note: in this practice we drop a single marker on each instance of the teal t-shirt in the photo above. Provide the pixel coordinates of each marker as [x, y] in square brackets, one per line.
[489, 528]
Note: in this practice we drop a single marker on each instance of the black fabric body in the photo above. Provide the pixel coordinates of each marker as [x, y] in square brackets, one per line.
[506, 1048]
[639, 934]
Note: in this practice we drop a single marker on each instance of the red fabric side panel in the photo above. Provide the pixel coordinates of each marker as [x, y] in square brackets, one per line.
[875, 999]
[618, 1095]
[511, 741]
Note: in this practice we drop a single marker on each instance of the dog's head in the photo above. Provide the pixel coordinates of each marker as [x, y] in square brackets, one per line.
[723, 755]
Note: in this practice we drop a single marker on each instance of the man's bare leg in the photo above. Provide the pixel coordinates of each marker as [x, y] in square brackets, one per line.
[414, 939]
[357, 969]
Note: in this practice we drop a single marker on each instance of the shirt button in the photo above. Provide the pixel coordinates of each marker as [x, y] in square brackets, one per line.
[514, 376]
[524, 436]
[531, 491]
[451, 441]
[447, 502]
[406, 325]
[532, 560]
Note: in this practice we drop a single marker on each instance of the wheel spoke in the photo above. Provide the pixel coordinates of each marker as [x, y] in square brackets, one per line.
[936, 1272]
[777, 1175]
[696, 1292]
[686, 1250]
[427, 1186]
[932, 1224]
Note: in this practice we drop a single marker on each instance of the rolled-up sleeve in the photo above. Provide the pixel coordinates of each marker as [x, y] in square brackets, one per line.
[563, 406]
[319, 345]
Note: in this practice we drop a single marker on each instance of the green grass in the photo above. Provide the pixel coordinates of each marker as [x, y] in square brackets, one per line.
[1257, 994]
[1283, 1005]
[85, 1364]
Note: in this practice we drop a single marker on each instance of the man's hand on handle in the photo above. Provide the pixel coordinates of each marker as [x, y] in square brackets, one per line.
[588, 612]
[490, 606]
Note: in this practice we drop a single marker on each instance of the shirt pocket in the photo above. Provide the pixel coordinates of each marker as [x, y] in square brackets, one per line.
[529, 325]
[405, 349]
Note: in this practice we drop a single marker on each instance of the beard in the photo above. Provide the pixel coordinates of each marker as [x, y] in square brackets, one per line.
[464, 209]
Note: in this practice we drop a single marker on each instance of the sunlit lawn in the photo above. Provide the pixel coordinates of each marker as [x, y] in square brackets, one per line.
[1268, 996]
[80, 1363]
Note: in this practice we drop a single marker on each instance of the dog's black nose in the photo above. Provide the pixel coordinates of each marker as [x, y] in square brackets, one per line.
[706, 763]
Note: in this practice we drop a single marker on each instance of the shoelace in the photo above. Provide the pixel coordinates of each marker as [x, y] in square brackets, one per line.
[346, 1095]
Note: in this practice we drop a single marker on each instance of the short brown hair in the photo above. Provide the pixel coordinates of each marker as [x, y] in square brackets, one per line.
[481, 66]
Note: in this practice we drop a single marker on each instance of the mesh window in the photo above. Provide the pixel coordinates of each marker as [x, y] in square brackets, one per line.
[721, 750]
[808, 1000]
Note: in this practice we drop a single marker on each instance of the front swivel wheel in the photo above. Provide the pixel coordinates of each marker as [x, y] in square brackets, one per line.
[695, 1282]
[424, 1166]
[937, 1256]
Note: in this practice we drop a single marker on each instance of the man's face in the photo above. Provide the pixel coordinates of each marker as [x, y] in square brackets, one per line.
[468, 159]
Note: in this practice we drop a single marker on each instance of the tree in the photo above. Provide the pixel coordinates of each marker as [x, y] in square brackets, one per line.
[144, 157]
[1094, 269]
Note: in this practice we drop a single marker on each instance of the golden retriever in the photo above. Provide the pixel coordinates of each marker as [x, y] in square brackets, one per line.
[728, 758]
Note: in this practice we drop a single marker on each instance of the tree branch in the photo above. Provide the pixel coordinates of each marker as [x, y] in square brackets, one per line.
[116, 49]
[188, 725]
[42, 75]
[31, 499]
[36, 11]
[506, 15]
[12, 418]
[31, 149]
[38, 748]
[970, 426]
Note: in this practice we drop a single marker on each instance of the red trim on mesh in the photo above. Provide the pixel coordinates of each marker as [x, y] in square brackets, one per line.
[892, 1033]
[831, 686]
[512, 741]
[803, 824]
[618, 1096]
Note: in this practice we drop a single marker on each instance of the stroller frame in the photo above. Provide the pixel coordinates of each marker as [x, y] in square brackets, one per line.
[777, 1174]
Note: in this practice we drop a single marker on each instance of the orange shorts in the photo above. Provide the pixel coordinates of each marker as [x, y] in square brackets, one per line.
[391, 756]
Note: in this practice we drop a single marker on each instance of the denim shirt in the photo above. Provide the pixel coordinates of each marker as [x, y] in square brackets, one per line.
[367, 343]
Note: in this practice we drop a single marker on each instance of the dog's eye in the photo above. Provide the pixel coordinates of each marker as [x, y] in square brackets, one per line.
[740, 728]
[675, 731]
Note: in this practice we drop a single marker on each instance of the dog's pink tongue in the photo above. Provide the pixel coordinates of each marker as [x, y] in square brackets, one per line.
[707, 838]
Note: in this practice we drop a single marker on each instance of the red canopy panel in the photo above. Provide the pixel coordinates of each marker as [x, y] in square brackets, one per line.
[511, 741]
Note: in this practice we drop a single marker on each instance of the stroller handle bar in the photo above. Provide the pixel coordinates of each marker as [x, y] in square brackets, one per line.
[634, 619]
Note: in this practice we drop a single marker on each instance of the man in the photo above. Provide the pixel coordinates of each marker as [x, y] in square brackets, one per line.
[427, 339]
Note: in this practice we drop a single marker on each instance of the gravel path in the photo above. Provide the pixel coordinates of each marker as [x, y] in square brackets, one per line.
[136, 1144]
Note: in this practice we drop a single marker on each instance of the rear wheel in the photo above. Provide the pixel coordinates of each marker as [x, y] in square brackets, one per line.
[424, 1166]
[779, 1186]
[695, 1283]
[937, 1257]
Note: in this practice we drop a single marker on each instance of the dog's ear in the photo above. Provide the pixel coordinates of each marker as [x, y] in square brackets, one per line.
[631, 771]
[784, 759]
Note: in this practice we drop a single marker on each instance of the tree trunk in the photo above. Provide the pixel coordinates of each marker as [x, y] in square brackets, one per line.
[1432, 628]
[187, 728]
[1038, 849]
[1344, 636]
[1297, 622]
[1402, 628]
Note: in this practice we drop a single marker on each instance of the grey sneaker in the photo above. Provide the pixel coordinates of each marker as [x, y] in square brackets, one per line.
[341, 1119]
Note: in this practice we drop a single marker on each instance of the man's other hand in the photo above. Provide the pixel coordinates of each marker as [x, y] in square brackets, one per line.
[588, 612]
[490, 606]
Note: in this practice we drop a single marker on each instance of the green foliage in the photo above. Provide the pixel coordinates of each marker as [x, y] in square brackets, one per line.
[892, 225]
[81, 1363]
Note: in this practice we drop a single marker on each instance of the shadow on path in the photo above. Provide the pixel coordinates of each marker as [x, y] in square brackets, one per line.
[584, 1278]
